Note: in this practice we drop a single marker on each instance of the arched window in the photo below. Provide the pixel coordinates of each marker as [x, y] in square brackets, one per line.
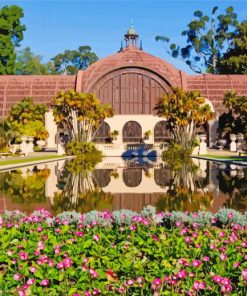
[161, 132]
[103, 133]
[132, 177]
[132, 132]
[102, 178]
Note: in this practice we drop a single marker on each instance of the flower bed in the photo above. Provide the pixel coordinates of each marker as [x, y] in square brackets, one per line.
[102, 253]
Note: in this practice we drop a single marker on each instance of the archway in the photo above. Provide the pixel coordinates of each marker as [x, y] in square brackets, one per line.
[132, 177]
[161, 132]
[132, 132]
[103, 133]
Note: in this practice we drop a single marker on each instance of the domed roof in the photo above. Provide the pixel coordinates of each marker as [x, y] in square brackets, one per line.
[131, 30]
[130, 57]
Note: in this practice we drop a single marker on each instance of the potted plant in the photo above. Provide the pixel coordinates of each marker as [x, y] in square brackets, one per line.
[114, 134]
[147, 135]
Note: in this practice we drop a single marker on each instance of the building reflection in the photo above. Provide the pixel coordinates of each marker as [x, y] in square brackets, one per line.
[116, 184]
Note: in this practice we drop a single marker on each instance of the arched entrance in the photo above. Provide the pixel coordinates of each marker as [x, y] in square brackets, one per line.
[132, 177]
[132, 132]
[161, 132]
[103, 134]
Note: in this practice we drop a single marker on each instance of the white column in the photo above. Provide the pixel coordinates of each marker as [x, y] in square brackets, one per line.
[51, 128]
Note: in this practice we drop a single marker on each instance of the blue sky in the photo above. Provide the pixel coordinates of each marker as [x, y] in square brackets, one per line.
[53, 26]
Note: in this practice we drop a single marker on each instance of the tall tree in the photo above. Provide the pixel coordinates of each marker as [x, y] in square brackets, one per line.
[27, 63]
[81, 114]
[207, 38]
[184, 111]
[234, 61]
[11, 34]
[71, 61]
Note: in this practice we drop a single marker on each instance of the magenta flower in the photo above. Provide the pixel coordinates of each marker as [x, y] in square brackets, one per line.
[217, 279]
[130, 282]
[23, 255]
[30, 281]
[17, 277]
[60, 265]
[196, 263]
[199, 285]
[182, 274]
[96, 237]
[44, 283]
[226, 289]
[93, 273]
[33, 269]
[244, 274]
[67, 262]
[156, 284]
[223, 257]
[87, 293]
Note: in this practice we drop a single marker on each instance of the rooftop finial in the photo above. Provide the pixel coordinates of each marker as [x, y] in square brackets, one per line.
[131, 36]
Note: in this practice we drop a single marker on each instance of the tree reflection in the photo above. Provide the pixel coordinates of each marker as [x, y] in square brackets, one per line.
[185, 189]
[25, 188]
[234, 184]
[78, 187]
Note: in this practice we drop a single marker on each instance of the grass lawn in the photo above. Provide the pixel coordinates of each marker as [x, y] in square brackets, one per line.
[29, 159]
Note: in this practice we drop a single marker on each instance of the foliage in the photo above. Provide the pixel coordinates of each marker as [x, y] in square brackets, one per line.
[71, 61]
[80, 114]
[27, 63]
[235, 120]
[11, 34]
[80, 148]
[5, 135]
[234, 61]
[208, 39]
[176, 156]
[28, 119]
[92, 254]
[184, 110]
[25, 189]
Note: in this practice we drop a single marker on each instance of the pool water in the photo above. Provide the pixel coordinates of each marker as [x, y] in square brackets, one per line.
[118, 183]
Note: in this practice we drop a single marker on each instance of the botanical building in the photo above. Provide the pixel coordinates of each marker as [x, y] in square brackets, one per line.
[132, 81]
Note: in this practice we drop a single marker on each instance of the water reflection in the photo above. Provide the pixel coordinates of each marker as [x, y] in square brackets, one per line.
[131, 184]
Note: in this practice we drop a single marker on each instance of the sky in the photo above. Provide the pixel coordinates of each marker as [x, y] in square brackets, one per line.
[56, 25]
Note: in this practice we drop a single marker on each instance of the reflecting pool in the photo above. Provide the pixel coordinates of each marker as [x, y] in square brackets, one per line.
[118, 183]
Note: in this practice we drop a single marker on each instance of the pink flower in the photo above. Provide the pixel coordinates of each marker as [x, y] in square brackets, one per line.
[206, 258]
[67, 262]
[23, 255]
[30, 281]
[231, 215]
[96, 237]
[196, 263]
[199, 285]
[223, 257]
[236, 264]
[182, 274]
[87, 293]
[96, 291]
[17, 277]
[139, 280]
[133, 227]
[217, 279]
[33, 269]
[60, 265]
[187, 239]
[39, 228]
[157, 282]
[222, 234]
[44, 283]
[244, 274]
[130, 282]
[93, 273]
[10, 253]
[226, 289]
